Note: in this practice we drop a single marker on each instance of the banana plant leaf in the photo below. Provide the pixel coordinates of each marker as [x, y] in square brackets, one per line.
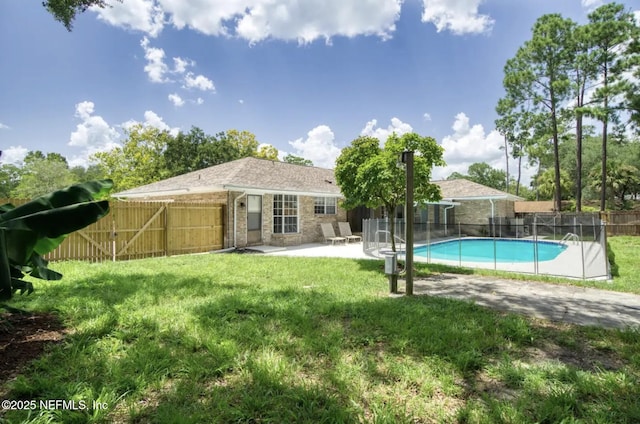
[39, 226]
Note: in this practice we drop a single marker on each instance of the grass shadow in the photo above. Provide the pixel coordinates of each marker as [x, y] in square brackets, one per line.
[239, 342]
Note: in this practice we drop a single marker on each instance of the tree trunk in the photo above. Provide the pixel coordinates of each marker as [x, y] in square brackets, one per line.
[556, 153]
[579, 162]
[506, 157]
[392, 225]
[603, 181]
[519, 174]
[605, 122]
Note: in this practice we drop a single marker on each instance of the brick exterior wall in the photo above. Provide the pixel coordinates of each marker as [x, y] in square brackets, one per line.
[479, 211]
[468, 212]
[308, 222]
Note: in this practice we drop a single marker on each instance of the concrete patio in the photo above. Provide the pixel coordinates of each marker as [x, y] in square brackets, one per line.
[338, 250]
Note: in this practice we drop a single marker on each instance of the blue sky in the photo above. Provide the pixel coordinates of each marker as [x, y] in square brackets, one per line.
[306, 76]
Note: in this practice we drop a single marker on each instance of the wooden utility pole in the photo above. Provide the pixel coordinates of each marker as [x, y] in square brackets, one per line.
[407, 158]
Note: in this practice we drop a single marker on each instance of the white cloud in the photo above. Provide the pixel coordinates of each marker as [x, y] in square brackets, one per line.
[176, 100]
[396, 126]
[200, 82]
[457, 16]
[180, 65]
[4, 127]
[155, 68]
[319, 147]
[426, 117]
[591, 4]
[93, 131]
[317, 19]
[470, 144]
[140, 15]
[152, 119]
[93, 134]
[241, 101]
[199, 100]
[14, 155]
[301, 21]
[255, 20]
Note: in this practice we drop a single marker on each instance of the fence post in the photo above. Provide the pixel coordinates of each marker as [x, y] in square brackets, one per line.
[535, 242]
[166, 229]
[582, 251]
[459, 246]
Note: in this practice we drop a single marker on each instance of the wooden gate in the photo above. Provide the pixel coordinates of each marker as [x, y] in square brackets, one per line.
[134, 230]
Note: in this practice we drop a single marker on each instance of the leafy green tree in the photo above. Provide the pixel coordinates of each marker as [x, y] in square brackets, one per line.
[545, 185]
[267, 151]
[39, 176]
[297, 160]
[515, 124]
[483, 173]
[139, 161]
[622, 180]
[9, 179]
[65, 11]
[582, 76]
[196, 150]
[610, 28]
[370, 176]
[538, 74]
[90, 173]
[457, 176]
[244, 141]
[35, 155]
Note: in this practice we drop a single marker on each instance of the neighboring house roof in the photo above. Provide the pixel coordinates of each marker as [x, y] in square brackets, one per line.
[463, 189]
[247, 174]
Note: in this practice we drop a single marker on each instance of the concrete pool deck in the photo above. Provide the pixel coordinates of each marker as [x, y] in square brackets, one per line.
[555, 302]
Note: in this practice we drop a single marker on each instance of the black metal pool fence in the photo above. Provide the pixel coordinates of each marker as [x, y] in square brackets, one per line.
[582, 241]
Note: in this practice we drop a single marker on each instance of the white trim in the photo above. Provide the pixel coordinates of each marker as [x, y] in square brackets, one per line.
[273, 215]
[496, 197]
[441, 202]
[263, 191]
[169, 192]
[324, 205]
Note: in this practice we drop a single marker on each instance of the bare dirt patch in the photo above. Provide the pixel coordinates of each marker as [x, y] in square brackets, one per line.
[24, 337]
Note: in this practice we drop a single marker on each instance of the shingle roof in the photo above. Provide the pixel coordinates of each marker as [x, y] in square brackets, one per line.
[460, 189]
[245, 174]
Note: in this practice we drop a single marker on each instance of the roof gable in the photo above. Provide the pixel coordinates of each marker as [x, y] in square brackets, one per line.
[461, 189]
[244, 174]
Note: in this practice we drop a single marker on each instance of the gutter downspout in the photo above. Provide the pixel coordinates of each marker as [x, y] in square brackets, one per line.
[235, 217]
[445, 218]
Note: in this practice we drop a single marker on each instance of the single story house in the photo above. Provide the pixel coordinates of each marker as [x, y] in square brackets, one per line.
[266, 202]
[463, 201]
[474, 203]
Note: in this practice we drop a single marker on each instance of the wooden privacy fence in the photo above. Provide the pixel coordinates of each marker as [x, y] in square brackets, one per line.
[135, 230]
[622, 223]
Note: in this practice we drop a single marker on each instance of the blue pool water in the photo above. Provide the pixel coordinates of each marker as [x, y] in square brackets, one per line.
[482, 250]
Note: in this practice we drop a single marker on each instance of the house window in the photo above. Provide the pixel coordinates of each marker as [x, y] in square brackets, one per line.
[285, 213]
[325, 206]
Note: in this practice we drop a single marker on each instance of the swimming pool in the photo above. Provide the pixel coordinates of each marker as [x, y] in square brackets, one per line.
[482, 250]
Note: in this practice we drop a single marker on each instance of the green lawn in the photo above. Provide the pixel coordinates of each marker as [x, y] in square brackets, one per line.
[249, 338]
